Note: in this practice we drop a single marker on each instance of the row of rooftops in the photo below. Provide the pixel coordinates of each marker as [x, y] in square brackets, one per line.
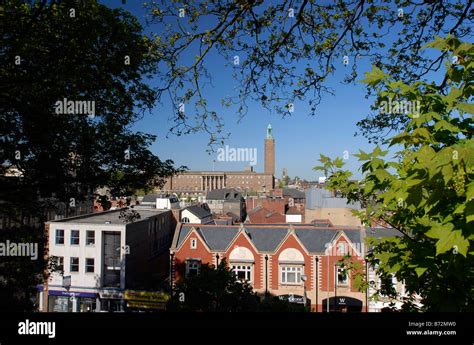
[228, 194]
[268, 237]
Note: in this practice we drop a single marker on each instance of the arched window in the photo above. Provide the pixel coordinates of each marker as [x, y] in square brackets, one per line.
[185, 220]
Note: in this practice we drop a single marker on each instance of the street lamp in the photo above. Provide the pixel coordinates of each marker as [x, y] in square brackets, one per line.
[335, 285]
[327, 280]
[266, 276]
[317, 282]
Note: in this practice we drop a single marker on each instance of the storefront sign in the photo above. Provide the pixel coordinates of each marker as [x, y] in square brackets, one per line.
[145, 299]
[157, 297]
[72, 294]
[111, 295]
[67, 282]
[292, 298]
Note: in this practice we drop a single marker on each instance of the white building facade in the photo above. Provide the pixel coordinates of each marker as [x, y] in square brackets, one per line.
[98, 256]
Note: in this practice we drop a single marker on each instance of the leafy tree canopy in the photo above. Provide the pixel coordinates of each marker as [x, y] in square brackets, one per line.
[282, 52]
[52, 53]
[427, 190]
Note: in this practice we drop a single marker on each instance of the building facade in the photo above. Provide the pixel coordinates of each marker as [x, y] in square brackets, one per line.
[228, 202]
[293, 262]
[201, 182]
[99, 257]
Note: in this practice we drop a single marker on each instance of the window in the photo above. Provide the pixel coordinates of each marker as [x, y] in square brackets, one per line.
[342, 276]
[341, 248]
[59, 236]
[185, 220]
[60, 263]
[192, 268]
[89, 265]
[74, 237]
[291, 275]
[193, 243]
[90, 237]
[243, 272]
[74, 265]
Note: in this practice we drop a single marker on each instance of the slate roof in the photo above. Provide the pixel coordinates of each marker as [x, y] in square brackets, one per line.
[198, 211]
[228, 194]
[267, 238]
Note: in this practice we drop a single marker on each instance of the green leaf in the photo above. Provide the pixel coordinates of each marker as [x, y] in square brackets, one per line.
[470, 191]
[465, 107]
[439, 230]
[374, 77]
[451, 240]
[420, 270]
[439, 43]
[469, 211]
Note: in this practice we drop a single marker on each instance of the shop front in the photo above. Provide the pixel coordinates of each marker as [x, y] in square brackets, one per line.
[342, 304]
[111, 301]
[71, 301]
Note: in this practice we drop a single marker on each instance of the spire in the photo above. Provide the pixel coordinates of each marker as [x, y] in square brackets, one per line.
[269, 132]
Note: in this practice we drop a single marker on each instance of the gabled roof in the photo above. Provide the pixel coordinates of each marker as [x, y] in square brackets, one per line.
[267, 238]
[316, 244]
[198, 211]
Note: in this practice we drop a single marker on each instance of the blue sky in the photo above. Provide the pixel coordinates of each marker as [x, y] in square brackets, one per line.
[299, 138]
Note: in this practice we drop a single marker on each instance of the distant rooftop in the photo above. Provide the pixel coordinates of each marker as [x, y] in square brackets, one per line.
[198, 211]
[108, 216]
[152, 197]
[229, 194]
[293, 193]
[323, 198]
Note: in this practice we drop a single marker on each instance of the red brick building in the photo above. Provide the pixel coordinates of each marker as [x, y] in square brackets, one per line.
[278, 205]
[261, 215]
[294, 262]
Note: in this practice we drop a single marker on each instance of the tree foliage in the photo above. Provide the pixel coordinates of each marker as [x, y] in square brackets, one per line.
[78, 51]
[283, 52]
[427, 190]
